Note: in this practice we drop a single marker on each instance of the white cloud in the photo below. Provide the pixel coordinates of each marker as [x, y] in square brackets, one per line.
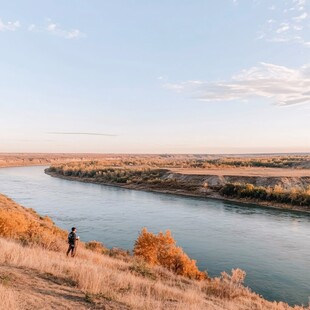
[67, 34]
[290, 23]
[301, 17]
[74, 34]
[283, 27]
[278, 84]
[55, 29]
[9, 26]
[32, 27]
[51, 27]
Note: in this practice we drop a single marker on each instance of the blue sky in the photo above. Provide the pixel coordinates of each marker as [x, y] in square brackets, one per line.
[155, 76]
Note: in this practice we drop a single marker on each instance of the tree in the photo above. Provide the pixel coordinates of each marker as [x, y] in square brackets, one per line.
[162, 250]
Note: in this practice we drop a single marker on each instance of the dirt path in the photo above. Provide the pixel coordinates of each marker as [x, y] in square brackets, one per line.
[246, 171]
[35, 290]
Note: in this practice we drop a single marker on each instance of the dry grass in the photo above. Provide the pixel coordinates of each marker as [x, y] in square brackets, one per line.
[122, 280]
[246, 171]
[8, 298]
[191, 162]
[250, 165]
[100, 276]
[27, 226]
[37, 159]
[96, 274]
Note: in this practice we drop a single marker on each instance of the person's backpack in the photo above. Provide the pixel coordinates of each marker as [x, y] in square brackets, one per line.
[71, 238]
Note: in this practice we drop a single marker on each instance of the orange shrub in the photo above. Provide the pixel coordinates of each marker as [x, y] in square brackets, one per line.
[12, 224]
[27, 226]
[96, 246]
[162, 250]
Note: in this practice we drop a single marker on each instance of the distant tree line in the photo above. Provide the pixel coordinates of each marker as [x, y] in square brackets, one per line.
[294, 196]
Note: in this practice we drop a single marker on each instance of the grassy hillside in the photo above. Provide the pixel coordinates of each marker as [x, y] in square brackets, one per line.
[37, 275]
[26, 226]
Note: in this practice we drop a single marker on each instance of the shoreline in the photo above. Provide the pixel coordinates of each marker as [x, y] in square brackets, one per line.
[35, 251]
[21, 165]
[214, 195]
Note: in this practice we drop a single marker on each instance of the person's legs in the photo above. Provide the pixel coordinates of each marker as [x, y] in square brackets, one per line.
[70, 249]
[73, 251]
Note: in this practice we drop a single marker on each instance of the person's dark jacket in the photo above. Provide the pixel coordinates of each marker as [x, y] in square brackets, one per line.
[72, 238]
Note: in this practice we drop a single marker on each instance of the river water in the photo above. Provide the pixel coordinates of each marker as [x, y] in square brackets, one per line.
[272, 246]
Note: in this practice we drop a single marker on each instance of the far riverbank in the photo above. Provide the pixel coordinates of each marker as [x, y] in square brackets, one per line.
[195, 188]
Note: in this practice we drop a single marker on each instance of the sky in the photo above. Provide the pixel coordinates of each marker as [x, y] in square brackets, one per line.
[165, 76]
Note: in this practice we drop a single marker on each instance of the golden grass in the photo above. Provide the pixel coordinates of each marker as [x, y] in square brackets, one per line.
[27, 226]
[97, 274]
[294, 165]
[100, 275]
[8, 298]
[128, 280]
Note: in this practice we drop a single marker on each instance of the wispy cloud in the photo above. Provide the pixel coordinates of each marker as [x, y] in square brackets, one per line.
[9, 26]
[82, 133]
[55, 29]
[278, 84]
[290, 23]
[32, 27]
[51, 28]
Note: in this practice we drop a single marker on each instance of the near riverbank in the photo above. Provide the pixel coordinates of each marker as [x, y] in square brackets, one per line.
[35, 274]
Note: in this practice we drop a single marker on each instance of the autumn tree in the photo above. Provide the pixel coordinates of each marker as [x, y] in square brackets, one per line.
[162, 250]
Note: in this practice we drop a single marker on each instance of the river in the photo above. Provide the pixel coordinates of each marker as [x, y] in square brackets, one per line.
[272, 246]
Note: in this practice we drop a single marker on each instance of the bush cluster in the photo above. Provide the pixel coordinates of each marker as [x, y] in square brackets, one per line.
[27, 226]
[278, 194]
[162, 250]
[110, 175]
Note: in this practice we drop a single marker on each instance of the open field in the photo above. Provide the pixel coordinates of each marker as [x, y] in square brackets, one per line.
[192, 161]
[42, 159]
[246, 171]
[36, 277]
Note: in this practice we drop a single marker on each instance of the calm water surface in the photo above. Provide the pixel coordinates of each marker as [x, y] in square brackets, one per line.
[272, 246]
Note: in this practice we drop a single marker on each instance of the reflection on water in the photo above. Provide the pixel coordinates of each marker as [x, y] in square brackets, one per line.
[271, 246]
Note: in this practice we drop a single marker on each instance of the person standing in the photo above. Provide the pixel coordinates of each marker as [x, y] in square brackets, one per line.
[72, 241]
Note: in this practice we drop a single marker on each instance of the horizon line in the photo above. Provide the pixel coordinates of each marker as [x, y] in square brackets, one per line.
[82, 133]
